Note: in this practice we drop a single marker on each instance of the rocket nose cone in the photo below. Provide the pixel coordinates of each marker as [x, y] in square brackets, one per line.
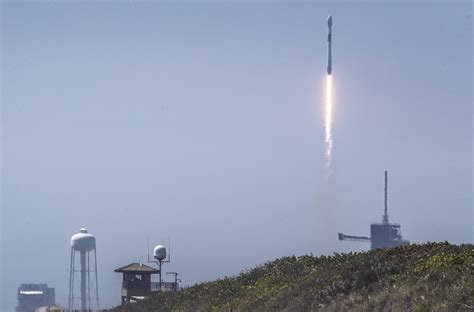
[329, 21]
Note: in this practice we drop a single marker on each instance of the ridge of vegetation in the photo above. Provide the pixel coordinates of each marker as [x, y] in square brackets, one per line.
[426, 277]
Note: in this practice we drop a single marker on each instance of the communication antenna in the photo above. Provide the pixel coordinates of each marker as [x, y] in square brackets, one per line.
[385, 215]
[169, 249]
[160, 256]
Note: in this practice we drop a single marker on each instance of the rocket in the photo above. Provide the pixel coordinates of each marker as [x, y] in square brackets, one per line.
[329, 69]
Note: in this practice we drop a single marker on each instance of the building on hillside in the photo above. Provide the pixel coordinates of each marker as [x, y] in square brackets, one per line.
[50, 308]
[34, 296]
[137, 284]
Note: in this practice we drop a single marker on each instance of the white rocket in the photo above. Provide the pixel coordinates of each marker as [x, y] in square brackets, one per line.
[329, 69]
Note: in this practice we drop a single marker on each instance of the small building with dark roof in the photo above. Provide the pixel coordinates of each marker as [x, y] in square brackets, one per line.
[136, 283]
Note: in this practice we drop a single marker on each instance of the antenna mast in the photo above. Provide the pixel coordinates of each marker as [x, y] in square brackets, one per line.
[148, 247]
[385, 215]
[160, 255]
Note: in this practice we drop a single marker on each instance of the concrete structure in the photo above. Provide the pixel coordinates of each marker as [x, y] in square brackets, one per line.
[84, 244]
[386, 235]
[34, 296]
[382, 235]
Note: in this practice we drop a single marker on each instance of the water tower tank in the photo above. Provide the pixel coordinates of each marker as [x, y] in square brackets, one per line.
[159, 252]
[83, 241]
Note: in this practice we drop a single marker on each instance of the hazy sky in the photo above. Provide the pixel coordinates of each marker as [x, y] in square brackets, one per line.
[203, 122]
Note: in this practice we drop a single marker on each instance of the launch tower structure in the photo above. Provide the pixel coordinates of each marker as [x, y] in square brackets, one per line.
[382, 235]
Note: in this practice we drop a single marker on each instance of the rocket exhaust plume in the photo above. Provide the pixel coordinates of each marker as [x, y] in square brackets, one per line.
[328, 104]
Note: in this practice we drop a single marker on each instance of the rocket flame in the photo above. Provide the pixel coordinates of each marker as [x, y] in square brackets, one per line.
[328, 124]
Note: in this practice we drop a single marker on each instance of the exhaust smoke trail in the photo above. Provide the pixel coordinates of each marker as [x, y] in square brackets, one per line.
[328, 107]
[328, 124]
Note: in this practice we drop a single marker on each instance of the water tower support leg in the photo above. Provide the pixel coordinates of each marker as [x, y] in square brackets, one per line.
[83, 281]
[71, 280]
[96, 280]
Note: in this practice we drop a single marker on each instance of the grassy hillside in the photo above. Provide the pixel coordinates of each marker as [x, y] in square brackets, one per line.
[433, 276]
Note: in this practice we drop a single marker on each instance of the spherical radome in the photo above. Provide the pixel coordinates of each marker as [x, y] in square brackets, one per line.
[159, 252]
[83, 241]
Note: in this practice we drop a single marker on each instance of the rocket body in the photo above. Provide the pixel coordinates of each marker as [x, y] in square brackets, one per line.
[329, 68]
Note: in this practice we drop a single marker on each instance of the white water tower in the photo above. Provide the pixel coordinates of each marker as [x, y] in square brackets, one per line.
[83, 243]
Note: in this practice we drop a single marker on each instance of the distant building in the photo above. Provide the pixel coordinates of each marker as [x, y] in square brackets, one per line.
[34, 296]
[51, 308]
[137, 284]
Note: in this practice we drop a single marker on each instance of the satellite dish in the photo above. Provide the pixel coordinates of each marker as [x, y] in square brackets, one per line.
[159, 253]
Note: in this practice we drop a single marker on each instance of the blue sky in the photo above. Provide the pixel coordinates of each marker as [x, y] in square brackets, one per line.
[203, 121]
